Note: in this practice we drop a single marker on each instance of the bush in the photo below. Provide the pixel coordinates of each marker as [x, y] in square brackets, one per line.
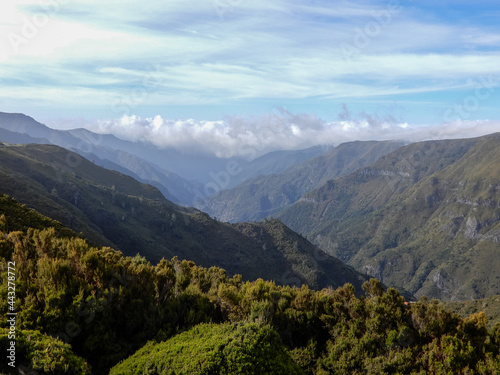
[43, 353]
[214, 349]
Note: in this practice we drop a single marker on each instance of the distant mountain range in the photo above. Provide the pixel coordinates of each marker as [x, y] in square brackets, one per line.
[265, 195]
[182, 178]
[112, 209]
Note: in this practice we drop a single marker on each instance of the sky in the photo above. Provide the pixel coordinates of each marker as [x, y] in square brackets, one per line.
[223, 74]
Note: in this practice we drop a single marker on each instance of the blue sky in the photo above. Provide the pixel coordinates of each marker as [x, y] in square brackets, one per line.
[410, 63]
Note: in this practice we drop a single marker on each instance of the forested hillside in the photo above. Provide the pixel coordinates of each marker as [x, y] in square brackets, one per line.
[83, 309]
[424, 218]
[490, 306]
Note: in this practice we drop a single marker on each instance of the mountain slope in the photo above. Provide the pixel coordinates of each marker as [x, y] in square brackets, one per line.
[275, 162]
[106, 150]
[490, 306]
[181, 177]
[263, 196]
[14, 137]
[424, 218]
[115, 210]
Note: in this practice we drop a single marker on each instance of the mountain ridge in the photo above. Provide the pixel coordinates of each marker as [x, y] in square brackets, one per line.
[115, 210]
[263, 196]
[182, 177]
[414, 218]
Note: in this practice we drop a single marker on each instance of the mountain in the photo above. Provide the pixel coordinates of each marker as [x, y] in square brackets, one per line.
[112, 209]
[124, 157]
[106, 150]
[22, 124]
[14, 137]
[263, 196]
[275, 162]
[182, 177]
[425, 218]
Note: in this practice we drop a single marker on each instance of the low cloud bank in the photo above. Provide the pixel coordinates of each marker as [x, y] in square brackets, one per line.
[280, 130]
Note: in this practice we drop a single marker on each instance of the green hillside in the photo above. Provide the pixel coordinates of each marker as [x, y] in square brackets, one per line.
[490, 306]
[86, 310]
[114, 210]
[263, 196]
[424, 218]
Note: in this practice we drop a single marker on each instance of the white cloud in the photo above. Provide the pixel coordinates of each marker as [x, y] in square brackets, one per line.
[280, 130]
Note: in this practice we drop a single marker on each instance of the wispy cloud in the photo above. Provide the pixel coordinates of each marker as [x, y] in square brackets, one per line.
[84, 55]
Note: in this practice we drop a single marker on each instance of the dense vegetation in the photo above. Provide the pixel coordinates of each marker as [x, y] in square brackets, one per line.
[42, 353]
[83, 308]
[424, 218]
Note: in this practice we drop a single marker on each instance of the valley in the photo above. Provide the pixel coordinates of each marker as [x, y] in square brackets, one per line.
[421, 217]
[234, 187]
[304, 251]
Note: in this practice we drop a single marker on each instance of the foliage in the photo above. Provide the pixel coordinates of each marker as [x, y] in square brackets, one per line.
[43, 353]
[214, 349]
[103, 307]
[490, 306]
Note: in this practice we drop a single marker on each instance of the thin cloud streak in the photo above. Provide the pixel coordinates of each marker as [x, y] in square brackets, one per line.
[91, 54]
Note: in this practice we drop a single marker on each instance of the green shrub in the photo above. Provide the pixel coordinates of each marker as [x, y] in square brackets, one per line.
[214, 349]
[43, 353]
